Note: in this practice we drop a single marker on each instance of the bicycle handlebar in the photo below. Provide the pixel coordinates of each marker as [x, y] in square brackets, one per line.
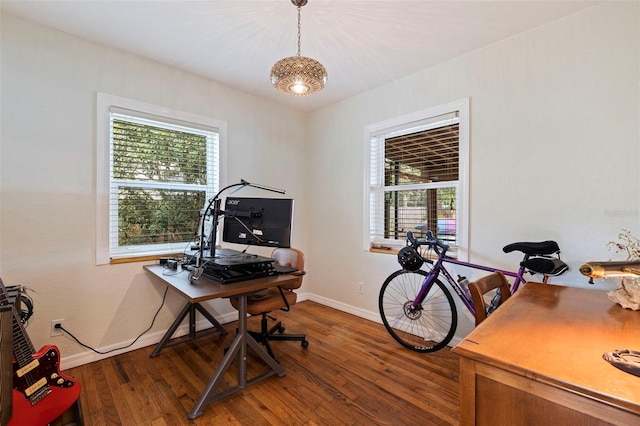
[431, 241]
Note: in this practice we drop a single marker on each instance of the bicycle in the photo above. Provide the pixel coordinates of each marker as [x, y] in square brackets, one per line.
[419, 311]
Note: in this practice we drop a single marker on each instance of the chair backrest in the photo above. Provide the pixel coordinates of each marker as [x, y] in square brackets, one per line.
[290, 257]
[484, 285]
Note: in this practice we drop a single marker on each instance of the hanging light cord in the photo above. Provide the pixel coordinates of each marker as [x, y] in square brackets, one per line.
[299, 7]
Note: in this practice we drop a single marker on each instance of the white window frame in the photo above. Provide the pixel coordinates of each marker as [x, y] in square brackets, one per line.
[373, 178]
[106, 105]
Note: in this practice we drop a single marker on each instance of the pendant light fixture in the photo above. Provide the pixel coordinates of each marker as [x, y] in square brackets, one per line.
[298, 75]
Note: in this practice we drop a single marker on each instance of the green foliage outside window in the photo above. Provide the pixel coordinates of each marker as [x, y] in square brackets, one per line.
[147, 162]
[157, 216]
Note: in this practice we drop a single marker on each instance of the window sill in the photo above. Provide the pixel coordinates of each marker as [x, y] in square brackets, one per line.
[394, 250]
[144, 258]
[384, 250]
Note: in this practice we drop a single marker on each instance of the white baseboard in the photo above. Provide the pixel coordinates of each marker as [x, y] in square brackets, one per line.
[71, 361]
[89, 356]
[362, 313]
[359, 312]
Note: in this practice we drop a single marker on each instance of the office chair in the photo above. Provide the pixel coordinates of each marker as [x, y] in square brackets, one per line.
[276, 298]
[480, 287]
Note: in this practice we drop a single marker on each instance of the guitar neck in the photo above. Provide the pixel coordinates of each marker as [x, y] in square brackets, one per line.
[23, 349]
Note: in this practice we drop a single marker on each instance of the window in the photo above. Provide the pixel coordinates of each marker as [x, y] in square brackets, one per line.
[417, 178]
[156, 169]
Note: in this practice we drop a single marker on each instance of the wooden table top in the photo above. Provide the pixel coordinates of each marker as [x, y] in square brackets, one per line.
[206, 289]
[558, 335]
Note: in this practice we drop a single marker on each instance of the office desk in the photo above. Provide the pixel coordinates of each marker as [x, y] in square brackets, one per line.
[538, 360]
[203, 290]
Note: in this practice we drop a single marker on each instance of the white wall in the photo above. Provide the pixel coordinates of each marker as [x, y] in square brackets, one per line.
[555, 132]
[555, 150]
[49, 84]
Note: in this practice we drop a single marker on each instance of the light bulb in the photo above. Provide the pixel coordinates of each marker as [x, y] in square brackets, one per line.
[299, 87]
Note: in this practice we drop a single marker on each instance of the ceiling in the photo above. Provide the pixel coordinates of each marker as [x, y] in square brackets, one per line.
[362, 43]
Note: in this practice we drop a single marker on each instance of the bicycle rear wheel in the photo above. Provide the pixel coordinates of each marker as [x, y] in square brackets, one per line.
[429, 327]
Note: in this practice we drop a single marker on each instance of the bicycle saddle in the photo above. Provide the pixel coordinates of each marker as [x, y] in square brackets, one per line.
[541, 249]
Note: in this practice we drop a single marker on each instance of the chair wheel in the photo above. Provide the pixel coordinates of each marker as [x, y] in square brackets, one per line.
[281, 330]
[304, 344]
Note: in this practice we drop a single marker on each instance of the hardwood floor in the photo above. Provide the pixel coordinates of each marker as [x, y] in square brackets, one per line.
[352, 373]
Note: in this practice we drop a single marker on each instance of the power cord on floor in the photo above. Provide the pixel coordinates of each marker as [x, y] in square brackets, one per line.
[60, 327]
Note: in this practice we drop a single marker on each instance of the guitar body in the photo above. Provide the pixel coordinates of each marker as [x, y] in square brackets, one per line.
[41, 393]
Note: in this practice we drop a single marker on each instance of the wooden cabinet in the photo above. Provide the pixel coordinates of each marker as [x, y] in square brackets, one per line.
[538, 361]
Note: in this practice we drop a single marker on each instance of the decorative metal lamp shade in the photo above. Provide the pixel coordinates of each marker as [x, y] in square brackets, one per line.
[298, 75]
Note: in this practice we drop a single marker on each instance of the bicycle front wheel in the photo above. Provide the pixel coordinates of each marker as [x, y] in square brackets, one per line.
[427, 328]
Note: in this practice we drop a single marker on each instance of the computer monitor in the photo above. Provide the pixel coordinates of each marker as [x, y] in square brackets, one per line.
[258, 221]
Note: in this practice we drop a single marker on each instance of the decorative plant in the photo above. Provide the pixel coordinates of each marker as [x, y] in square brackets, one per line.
[626, 243]
[628, 296]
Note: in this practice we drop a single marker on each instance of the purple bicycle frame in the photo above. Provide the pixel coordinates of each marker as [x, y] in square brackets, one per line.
[438, 267]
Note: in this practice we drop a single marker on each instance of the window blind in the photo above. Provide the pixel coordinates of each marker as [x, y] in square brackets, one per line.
[422, 157]
[413, 176]
[161, 173]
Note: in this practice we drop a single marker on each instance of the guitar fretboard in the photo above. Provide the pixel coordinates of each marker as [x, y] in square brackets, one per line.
[23, 349]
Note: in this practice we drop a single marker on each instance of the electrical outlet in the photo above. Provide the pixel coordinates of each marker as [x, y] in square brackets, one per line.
[360, 287]
[56, 331]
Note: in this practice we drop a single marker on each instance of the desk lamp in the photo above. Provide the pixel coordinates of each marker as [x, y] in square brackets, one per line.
[213, 209]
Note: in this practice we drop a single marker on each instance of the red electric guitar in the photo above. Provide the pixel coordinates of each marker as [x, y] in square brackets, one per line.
[41, 393]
